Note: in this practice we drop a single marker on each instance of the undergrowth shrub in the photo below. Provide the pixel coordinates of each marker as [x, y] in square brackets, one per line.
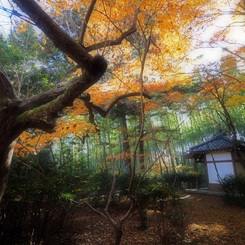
[172, 221]
[38, 195]
[182, 180]
[152, 193]
[234, 189]
[168, 213]
[100, 185]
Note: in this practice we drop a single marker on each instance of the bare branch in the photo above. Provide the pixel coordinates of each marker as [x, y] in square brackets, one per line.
[128, 212]
[119, 40]
[94, 209]
[86, 20]
[108, 43]
[235, 54]
[142, 115]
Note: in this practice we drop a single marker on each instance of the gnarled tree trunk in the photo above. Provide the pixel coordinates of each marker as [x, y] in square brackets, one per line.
[9, 130]
[41, 111]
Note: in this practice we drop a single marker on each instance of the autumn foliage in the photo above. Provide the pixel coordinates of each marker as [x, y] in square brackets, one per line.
[103, 101]
[167, 25]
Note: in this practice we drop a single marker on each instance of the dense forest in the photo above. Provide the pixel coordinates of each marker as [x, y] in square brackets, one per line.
[101, 100]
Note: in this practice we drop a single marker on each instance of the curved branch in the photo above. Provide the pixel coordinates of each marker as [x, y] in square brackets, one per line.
[132, 205]
[102, 112]
[119, 40]
[56, 105]
[50, 95]
[38, 100]
[108, 43]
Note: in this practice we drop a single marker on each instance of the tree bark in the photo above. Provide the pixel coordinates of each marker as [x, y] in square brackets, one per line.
[142, 154]
[9, 128]
[18, 115]
[6, 153]
[141, 148]
[125, 143]
[118, 236]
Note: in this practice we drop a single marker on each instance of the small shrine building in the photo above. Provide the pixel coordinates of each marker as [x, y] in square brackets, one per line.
[222, 156]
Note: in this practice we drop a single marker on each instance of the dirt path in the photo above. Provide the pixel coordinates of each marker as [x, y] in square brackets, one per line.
[210, 221]
[213, 222]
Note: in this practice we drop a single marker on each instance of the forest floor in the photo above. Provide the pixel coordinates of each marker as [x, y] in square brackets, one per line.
[208, 221]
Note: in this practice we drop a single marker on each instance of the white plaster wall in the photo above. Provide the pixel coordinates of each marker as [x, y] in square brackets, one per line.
[223, 168]
[219, 156]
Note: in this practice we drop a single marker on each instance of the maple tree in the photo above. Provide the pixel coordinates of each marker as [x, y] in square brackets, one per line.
[18, 115]
[219, 89]
[163, 35]
[24, 114]
[222, 82]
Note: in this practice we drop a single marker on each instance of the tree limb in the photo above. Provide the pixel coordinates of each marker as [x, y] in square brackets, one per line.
[119, 40]
[56, 105]
[46, 126]
[6, 89]
[48, 96]
[142, 116]
[102, 112]
[94, 65]
[86, 20]
[38, 100]
[94, 209]
[107, 43]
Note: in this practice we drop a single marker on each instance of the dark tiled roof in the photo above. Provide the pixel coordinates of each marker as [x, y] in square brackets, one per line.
[218, 143]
